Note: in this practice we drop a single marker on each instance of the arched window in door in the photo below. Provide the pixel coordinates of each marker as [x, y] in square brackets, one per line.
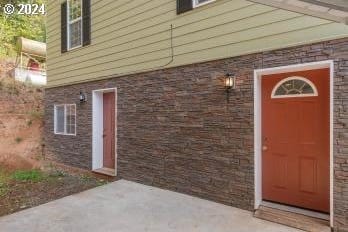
[294, 87]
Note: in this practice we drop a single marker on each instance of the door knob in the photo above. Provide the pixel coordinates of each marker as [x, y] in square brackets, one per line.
[264, 148]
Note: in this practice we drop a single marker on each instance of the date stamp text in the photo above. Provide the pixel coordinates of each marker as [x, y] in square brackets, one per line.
[23, 9]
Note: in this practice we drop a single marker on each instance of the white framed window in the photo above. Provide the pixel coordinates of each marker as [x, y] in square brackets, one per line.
[74, 26]
[197, 3]
[65, 119]
[294, 87]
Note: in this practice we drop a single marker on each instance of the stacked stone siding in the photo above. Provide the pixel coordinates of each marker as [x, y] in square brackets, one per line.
[177, 130]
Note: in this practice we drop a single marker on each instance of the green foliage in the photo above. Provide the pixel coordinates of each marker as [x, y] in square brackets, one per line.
[36, 114]
[3, 182]
[14, 26]
[19, 139]
[87, 179]
[3, 189]
[101, 182]
[57, 174]
[29, 123]
[12, 88]
[3, 176]
[28, 176]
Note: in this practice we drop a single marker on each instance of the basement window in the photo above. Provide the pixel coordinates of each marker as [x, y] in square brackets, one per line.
[65, 119]
[197, 3]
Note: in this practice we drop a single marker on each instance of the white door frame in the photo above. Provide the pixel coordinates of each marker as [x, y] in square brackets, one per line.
[258, 74]
[97, 128]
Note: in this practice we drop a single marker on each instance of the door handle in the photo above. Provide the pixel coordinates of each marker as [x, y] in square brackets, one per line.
[264, 148]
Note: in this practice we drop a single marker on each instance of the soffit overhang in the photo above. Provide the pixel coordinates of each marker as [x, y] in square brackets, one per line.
[333, 10]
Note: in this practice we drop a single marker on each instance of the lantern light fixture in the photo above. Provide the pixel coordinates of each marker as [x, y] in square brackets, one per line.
[230, 81]
[83, 97]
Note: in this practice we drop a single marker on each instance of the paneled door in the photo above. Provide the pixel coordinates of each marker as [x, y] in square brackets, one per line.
[296, 139]
[109, 130]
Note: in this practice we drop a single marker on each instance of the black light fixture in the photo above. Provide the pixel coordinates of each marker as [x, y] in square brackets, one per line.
[230, 83]
[83, 97]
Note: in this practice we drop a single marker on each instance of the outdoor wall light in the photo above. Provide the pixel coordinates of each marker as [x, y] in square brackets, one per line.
[83, 97]
[230, 81]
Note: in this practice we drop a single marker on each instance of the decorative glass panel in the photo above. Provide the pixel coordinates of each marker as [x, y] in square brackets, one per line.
[294, 87]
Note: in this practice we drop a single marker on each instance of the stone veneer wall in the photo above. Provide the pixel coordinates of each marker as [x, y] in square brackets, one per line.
[176, 129]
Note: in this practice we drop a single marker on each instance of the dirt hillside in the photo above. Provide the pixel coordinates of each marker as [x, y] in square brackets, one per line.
[20, 121]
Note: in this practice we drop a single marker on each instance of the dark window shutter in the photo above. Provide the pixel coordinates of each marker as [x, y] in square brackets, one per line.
[64, 39]
[86, 28]
[183, 6]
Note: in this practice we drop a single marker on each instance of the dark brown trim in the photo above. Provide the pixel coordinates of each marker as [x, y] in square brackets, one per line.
[183, 6]
[64, 39]
[86, 22]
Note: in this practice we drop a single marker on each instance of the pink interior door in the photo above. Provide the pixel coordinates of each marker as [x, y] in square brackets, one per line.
[296, 142]
[109, 130]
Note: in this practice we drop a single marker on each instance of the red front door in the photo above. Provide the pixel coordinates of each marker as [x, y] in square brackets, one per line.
[109, 130]
[295, 134]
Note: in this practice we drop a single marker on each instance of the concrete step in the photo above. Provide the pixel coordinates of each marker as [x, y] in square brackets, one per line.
[294, 220]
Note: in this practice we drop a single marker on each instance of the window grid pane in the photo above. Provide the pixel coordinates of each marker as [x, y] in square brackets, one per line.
[75, 9]
[65, 119]
[70, 119]
[75, 33]
[75, 23]
[60, 119]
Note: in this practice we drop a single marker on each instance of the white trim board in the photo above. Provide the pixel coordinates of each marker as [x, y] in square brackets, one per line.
[97, 128]
[196, 4]
[257, 122]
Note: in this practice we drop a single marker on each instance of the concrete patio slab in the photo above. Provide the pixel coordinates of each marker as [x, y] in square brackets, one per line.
[125, 206]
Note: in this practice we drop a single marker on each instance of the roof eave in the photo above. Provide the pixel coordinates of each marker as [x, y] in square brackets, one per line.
[341, 5]
[322, 15]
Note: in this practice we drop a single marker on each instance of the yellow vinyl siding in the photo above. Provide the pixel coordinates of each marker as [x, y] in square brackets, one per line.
[181, 34]
[135, 36]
